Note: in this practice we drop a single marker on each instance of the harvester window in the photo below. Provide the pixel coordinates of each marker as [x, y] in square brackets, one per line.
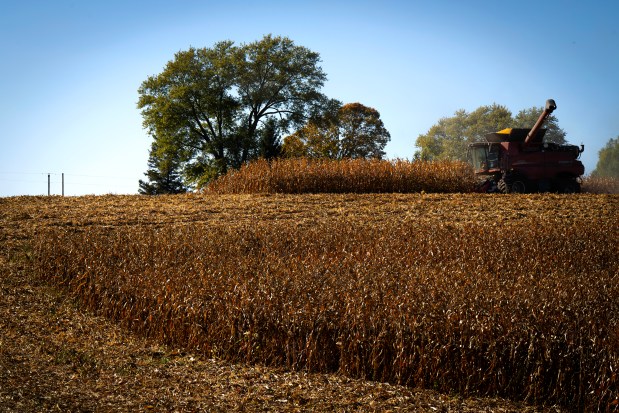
[493, 157]
[479, 157]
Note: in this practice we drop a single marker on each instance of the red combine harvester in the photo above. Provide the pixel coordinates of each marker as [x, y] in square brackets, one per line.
[518, 160]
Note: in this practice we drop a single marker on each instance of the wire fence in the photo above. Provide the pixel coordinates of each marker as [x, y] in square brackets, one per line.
[56, 183]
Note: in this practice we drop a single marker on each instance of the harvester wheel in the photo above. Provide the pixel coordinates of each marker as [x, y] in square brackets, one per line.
[502, 185]
[569, 186]
[512, 184]
[518, 186]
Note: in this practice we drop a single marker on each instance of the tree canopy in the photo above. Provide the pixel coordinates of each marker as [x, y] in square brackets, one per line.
[349, 131]
[449, 137]
[216, 108]
[608, 161]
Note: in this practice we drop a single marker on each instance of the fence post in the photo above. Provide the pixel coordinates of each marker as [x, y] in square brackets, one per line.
[48, 185]
[63, 184]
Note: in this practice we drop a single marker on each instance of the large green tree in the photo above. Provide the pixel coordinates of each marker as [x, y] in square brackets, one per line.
[450, 136]
[215, 107]
[608, 161]
[349, 131]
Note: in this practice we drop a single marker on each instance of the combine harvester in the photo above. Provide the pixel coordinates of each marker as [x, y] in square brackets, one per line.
[518, 160]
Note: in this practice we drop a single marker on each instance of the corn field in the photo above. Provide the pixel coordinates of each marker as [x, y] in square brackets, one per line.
[599, 185]
[302, 175]
[472, 294]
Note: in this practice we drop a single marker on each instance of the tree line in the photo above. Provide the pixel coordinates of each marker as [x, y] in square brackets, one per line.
[214, 109]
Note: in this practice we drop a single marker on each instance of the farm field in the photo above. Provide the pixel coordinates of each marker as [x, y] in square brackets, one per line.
[310, 302]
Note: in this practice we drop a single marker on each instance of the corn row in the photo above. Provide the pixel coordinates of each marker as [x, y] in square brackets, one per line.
[303, 175]
[520, 309]
[600, 185]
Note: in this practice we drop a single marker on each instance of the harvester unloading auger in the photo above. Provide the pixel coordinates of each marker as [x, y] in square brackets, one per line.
[518, 160]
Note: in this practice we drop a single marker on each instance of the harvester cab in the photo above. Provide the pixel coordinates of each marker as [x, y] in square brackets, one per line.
[518, 160]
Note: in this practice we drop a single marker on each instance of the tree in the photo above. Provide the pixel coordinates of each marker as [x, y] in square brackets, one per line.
[314, 140]
[270, 142]
[608, 161]
[449, 137]
[163, 174]
[526, 118]
[362, 133]
[349, 131]
[212, 105]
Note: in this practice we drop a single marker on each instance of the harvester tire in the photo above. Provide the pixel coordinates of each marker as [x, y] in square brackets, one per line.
[512, 184]
[519, 186]
[569, 186]
[503, 188]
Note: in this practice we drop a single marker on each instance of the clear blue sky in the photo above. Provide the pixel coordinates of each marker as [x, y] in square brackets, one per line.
[70, 71]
